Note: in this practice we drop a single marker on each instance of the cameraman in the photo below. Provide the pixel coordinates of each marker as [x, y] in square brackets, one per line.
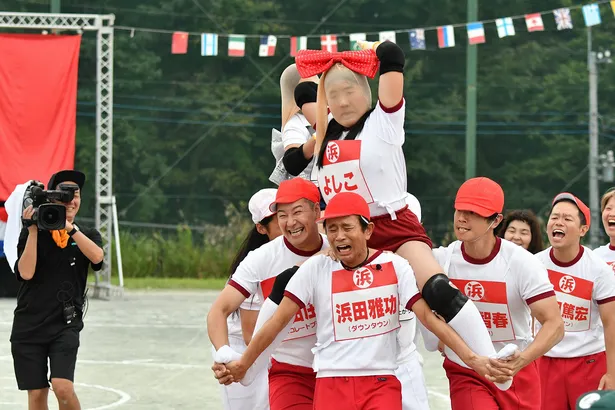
[52, 268]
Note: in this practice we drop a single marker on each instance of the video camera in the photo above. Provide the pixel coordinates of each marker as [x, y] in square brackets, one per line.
[48, 215]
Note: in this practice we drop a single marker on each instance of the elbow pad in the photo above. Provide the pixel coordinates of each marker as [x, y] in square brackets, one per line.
[305, 93]
[391, 57]
[441, 297]
[294, 161]
[277, 292]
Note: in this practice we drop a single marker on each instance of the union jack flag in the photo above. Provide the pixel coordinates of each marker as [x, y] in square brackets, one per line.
[563, 19]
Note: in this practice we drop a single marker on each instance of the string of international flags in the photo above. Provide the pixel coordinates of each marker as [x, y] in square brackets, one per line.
[236, 46]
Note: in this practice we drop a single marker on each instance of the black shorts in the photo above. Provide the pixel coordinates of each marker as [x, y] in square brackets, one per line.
[30, 360]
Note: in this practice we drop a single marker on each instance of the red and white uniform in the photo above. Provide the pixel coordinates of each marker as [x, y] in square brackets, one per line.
[502, 286]
[607, 254]
[373, 165]
[291, 378]
[236, 396]
[410, 369]
[296, 131]
[576, 364]
[358, 317]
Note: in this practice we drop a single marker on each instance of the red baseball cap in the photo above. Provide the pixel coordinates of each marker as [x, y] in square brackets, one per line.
[582, 207]
[293, 190]
[346, 204]
[480, 195]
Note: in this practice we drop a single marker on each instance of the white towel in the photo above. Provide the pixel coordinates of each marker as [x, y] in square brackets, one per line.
[14, 209]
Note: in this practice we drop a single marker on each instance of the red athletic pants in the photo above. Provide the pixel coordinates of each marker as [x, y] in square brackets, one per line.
[358, 393]
[291, 387]
[564, 380]
[471, 391]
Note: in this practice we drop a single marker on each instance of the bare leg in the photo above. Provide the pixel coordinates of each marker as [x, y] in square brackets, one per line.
[65, 393]
[37, 399]
[420, 257]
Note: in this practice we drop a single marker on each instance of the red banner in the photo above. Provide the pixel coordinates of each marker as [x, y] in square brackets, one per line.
[38, 107]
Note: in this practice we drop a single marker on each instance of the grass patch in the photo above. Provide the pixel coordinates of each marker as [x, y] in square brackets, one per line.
[171, 283]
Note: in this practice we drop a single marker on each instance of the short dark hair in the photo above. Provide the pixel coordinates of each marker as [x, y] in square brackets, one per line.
[581, 215]
[525, 215]
[362, 221]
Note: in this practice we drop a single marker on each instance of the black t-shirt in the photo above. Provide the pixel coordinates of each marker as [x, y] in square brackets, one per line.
[40, 301]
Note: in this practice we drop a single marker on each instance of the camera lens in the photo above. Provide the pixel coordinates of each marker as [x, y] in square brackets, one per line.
[51, 216]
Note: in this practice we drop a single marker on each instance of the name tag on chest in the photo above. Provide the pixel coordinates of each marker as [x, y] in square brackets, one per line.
[365, 302]
[341, 170]
[491, 300]
[574, 297]
[304, 324]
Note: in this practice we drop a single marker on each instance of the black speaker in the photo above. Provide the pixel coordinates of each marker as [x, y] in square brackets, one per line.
[8, 283]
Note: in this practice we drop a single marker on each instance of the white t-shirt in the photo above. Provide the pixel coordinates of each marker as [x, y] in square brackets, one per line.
[296, 131]
[406, 334]
[580, 286]
[372, 165]
[502, 287]
[357, 312]
[233, 322]
[257, 273]
[606, 253]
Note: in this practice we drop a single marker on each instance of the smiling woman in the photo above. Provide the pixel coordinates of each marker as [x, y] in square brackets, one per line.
[522, 227]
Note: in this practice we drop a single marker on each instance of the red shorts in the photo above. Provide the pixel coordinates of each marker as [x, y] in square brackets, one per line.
[291, 387]
[471, 391]
[359, 392]
[390, 234]
[564, 380]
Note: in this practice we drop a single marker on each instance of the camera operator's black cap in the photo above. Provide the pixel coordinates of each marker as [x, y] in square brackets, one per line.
[64, 176]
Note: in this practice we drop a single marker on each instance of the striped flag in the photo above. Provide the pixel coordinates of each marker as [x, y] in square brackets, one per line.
[296, 44]
[505, 27]
[534, 22]
[267, 47]
[355, 38]
[236, 45]
[386, 35]
[446, 37]
[209, 44]
[476, 33]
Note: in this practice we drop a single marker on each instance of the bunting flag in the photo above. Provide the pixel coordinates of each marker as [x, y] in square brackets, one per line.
[209, 44]
[417, 39]
[446, 37]
[476, 33]
[354, 40]
[236, 45]
[591, 14]
[296, 44]
[534, 22]
[505, 27]
[563, 19]
[329, 43]
[267, 47]
[386, 35]
[179, 43]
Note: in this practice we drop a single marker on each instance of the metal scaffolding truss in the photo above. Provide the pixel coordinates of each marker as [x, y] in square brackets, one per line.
[105, 201]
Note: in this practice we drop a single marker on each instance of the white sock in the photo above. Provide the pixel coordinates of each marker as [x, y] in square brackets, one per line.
[262, 362]
[470, 326]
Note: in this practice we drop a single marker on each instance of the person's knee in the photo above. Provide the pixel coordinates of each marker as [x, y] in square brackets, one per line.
[38, 395]
[63, 389]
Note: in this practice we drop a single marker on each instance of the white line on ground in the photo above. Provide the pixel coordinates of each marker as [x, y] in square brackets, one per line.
[124, 397]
